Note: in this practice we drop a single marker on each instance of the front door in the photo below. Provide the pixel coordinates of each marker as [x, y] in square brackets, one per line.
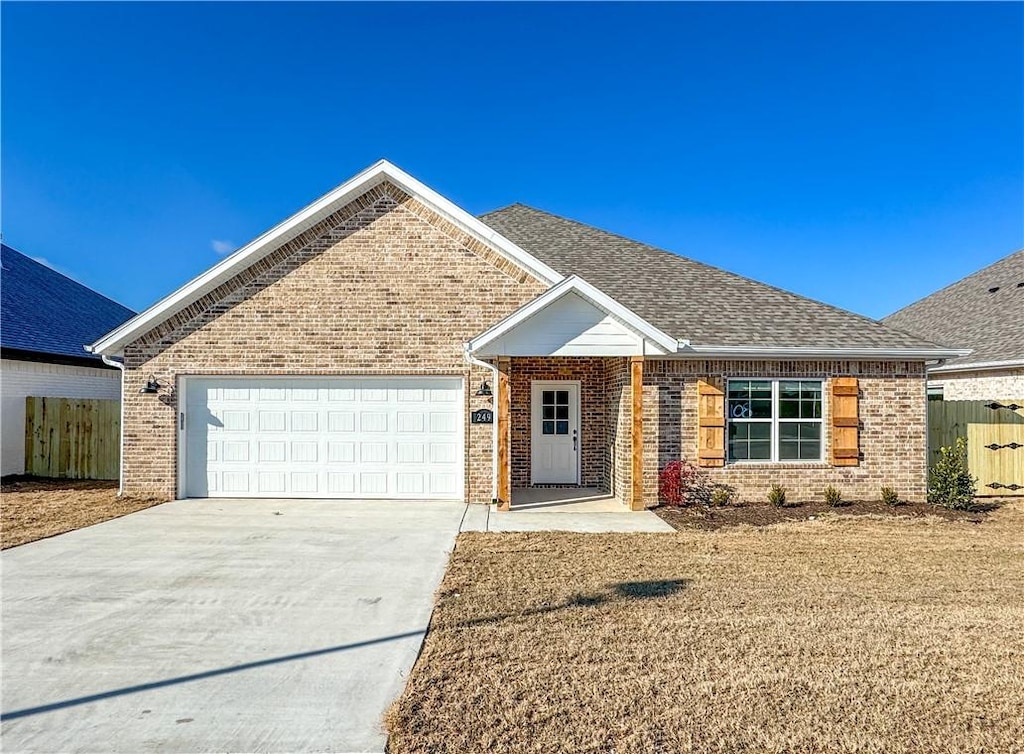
[555, 432]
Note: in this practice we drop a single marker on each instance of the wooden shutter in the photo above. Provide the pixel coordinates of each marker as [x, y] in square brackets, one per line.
[711, 423]
[845, 422]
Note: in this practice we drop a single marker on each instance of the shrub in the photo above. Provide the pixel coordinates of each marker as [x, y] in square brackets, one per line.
[890, 497]
[950, 483]
[777, 496]
[833, 497]
[681, 483]
[722, 495]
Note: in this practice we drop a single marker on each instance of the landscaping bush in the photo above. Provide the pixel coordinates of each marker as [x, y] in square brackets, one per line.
[722, 495]
[833, 497]
[950, 483]
[891, 497]
[777, 496]
[681, 483]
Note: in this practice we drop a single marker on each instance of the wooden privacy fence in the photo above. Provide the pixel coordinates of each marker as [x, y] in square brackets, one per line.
[72, 438]
[994, 431]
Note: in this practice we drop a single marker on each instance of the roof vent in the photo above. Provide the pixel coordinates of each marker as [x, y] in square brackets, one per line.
[1020, 285]
[993, 289]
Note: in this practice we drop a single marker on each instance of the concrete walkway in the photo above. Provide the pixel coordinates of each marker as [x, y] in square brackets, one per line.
[579, 510]
[220, 626]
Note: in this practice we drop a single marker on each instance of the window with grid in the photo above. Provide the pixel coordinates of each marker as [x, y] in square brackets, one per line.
[554, 412]
[775, 420]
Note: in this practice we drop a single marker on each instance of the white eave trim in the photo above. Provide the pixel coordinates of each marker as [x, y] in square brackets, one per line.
[687, 350]
[280, 234]
[595, 296]
[976, 366]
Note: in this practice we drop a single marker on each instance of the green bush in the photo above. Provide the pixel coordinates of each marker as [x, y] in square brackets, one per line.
[833, 497]
[777, 496]
[891, 497]
[722, 495]
[950, 483]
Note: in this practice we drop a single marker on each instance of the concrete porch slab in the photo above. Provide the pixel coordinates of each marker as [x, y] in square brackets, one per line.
[577, 510]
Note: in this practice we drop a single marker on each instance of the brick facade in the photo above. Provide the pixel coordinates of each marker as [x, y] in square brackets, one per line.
[382, 286]
[893, 434]
[981, 385]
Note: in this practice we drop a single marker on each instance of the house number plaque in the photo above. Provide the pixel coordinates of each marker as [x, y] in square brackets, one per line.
[482, 416]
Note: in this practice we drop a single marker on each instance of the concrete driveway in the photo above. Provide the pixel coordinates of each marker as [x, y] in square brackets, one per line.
[220, 626]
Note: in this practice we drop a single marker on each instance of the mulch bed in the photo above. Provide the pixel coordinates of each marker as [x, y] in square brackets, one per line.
[762, 514]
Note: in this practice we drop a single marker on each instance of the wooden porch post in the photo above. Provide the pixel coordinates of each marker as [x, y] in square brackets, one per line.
[636, 380]
[504, 435]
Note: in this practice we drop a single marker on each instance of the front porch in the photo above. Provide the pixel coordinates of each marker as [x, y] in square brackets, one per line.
[570, 433]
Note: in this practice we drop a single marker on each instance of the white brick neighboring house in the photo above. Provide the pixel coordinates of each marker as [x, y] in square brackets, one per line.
[382, 342]
[983, 312]
[46, 320]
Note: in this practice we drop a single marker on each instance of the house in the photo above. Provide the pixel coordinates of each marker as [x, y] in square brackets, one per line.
[46, 320]
[384, 343]
[982, 312]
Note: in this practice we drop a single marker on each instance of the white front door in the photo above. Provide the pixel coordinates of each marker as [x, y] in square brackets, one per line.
[555, 432]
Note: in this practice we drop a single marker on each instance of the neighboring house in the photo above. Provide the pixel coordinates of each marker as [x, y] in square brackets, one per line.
[46, 320]
[984, 313]
[352, 351]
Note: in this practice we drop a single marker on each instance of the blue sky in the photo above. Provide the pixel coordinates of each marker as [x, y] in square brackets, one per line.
[861, 154]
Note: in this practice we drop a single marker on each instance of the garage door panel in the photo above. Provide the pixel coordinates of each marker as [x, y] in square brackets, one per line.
[324, 437]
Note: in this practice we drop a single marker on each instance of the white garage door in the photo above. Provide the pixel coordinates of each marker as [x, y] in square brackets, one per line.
[324, 437]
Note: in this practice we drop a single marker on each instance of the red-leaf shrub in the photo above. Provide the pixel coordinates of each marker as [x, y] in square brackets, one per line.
[677, 480]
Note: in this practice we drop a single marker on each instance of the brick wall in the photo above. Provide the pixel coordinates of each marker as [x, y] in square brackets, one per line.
[1004, 384]
[619, 411]
[382, 286]
[591, 374]
[893, 437]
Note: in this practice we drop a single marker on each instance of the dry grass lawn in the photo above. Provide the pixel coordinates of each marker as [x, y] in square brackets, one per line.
[32, 509]
[839, 635]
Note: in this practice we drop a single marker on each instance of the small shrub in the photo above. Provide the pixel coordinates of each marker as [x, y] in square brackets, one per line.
[891, 497]
[722, 495]
[681, 483]
[833, 497]
[777, 496]
[950, 483]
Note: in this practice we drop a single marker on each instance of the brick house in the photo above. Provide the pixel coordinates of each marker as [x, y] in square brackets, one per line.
[982, 312]
[382, 342]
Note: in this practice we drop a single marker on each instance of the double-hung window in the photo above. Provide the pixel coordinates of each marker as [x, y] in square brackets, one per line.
[775, 420]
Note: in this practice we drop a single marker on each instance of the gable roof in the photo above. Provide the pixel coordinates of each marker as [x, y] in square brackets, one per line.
[45, 312]
[352, 189]
[569, 286]
[718, 312]
[982, 312]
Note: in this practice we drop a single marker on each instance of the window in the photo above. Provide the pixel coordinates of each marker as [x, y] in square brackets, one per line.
[775, 420]
[554, 406]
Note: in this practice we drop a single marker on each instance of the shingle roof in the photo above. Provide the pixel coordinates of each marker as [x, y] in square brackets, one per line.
[688, 299]
[45, 312]
[984, 311]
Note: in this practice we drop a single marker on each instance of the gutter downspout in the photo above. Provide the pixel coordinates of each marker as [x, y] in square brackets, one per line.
[120, 466]
[494, 407]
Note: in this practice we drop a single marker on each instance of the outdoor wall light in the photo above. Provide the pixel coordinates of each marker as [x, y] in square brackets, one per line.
[485, 389]
[151, 387]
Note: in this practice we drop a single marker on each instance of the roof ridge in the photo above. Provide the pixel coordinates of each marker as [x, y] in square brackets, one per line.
[721, 270]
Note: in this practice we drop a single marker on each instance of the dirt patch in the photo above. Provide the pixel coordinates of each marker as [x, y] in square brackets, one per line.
[33, 508]
[767, 515]
[844, 634]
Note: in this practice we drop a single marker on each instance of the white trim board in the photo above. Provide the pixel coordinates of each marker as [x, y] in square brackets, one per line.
[114, 341]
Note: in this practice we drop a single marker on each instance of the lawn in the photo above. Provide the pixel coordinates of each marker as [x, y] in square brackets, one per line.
[845, 634]
[32, 509]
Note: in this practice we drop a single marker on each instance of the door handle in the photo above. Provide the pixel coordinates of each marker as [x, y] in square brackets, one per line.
[574, 440]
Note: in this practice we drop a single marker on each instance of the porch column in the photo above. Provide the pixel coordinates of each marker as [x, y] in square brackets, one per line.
[636, 381]
[504, 434]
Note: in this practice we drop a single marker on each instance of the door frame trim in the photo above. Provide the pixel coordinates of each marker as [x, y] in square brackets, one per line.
[536, 386]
